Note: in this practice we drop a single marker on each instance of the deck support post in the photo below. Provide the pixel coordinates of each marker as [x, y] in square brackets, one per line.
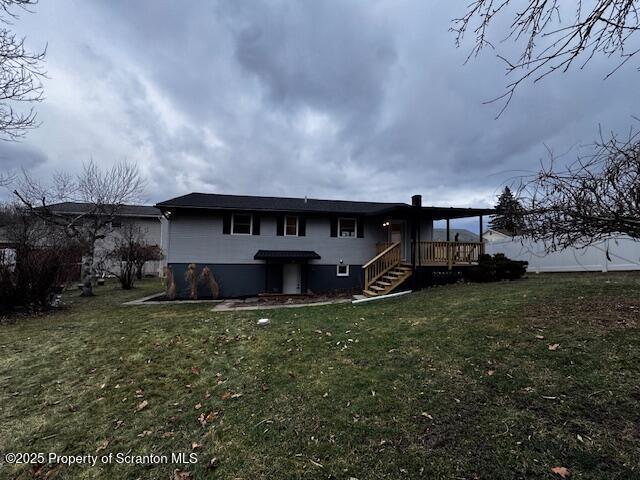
[448, 231]
[480, 228]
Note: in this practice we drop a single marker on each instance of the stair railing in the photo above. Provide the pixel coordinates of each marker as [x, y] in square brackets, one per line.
[381, 264]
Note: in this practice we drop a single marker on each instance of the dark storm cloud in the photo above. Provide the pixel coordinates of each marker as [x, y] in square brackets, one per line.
[15, 156]
[359, 99]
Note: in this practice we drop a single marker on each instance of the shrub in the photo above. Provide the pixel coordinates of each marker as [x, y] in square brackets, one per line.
[496, 268]
[206, 277]
[35, 276]
[191, 276]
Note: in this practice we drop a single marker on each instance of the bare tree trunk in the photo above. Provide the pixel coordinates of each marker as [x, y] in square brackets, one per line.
[139, 271]
[87, 272]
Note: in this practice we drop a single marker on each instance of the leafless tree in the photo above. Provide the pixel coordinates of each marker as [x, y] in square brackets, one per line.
[551, 44]
[21, 74]
[595, 197]
[103, 193]
[130, 251]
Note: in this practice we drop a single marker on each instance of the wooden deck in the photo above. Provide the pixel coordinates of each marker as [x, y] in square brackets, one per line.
[447, 254]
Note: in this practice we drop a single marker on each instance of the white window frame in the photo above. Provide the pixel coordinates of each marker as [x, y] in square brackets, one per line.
[355, 227]
[338, 274]
[297, 226]
[233, 223]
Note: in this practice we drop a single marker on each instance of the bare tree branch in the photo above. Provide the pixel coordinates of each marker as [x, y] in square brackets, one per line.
[21, 74]
[606, 27]
[595, 197]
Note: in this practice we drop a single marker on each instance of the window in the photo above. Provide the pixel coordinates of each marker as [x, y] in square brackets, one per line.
[241, 225]
[347, 227]
[291, 226]
[342, 270]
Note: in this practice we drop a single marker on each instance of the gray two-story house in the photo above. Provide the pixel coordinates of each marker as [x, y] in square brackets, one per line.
[255, 245]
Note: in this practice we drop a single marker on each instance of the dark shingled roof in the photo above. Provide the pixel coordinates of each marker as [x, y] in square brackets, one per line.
[279, 204]
[77, 208]
[286, 255]
[214, 201]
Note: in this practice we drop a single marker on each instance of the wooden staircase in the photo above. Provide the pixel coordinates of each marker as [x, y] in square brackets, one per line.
[385, 272]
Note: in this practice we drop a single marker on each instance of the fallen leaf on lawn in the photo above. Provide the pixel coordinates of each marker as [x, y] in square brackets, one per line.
[198, 406]
[142, 405]
[554, 346]
[195, 445]
[181, 475]
[102, 445]
[168, 434]
[236, 395]
[54, 471]
[491, 373]
[73, 408]
[562, 471]
[313, 462]
[226, 395]
[213, 463]
[207, 394]
[540, 337]
[195, 370]
[426, 415]
[145, 433]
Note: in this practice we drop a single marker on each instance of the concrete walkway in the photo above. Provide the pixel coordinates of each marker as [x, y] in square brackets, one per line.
[230, 305]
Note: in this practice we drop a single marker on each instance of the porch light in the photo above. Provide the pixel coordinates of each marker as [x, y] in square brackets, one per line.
[385, 224]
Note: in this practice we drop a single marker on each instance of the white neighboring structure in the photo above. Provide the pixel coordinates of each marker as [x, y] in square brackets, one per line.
[614, 254]
[150, 221]
[492, 235]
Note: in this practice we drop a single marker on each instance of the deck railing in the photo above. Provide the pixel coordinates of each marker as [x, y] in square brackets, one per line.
[381, 264]
[447, 253]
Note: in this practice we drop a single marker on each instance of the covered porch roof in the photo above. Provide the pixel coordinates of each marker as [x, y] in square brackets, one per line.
[286, 255]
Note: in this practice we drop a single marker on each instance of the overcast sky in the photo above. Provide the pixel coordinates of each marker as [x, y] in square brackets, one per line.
[366, 100]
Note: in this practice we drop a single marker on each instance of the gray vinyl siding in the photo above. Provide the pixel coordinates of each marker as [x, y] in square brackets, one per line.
[199, 239]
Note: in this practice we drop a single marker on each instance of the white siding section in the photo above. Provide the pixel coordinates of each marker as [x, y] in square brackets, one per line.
[199, 239]
[624, 253]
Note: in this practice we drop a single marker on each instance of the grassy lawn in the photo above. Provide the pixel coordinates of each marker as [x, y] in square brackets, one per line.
[456, 382]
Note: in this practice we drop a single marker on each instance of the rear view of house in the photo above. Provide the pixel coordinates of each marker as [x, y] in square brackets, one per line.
[259, 245]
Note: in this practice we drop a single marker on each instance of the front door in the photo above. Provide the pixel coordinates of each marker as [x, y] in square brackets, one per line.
[396, 233]
[291, 278]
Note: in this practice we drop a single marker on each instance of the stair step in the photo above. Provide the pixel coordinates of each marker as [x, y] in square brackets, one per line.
[369, 293]
[390, 278]
[375, 287]
[384, 283]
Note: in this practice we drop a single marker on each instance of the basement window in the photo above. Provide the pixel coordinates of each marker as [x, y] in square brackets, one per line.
[342, 270]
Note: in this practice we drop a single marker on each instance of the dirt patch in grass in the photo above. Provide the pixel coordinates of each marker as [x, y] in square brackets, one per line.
[608, 312]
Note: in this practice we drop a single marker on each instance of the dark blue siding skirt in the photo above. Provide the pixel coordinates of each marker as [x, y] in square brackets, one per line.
[246, 280]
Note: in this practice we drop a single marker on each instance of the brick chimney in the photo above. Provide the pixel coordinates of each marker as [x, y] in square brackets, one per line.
[416, 200]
